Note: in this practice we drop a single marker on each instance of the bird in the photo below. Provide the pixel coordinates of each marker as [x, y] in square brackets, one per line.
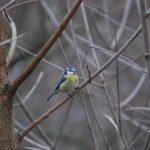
[67, 83]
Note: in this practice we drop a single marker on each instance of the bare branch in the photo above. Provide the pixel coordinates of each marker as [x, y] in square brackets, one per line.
[90, 125]
[123, 23]
[14, 38]
[131, 96]
[10, 40]
[112, 122]
[34, 55]
[137, 138]
[121, 59]
[22, 3]
[62, 102]
[7, 5]
[46, 47]
[145, 28]
[147, 142]
[35, 85]
[94, 140]
[31, 118]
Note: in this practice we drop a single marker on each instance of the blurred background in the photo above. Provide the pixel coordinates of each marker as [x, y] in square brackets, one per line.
[112, 112]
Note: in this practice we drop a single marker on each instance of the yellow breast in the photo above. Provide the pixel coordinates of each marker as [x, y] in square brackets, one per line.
[69, 84]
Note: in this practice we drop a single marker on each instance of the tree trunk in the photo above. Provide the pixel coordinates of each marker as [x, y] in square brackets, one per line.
[7, 134]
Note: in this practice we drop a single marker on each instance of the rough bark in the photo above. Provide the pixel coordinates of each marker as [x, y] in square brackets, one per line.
[7, 136]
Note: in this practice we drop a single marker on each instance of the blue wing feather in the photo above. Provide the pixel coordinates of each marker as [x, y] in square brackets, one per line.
[63, 78]
[56, 90]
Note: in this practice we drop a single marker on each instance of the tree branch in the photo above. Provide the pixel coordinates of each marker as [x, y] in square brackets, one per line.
[145, 28]
[46, 47]
[146, 39]
[62, 102]
[14, 37]
[3, 70]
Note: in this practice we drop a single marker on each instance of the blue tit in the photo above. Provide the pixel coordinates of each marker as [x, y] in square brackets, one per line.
[67, 83]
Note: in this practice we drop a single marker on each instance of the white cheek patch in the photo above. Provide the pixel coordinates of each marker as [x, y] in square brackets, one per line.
[70, 72]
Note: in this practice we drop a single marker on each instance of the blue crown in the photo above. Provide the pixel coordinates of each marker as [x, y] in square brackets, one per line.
[70, 68]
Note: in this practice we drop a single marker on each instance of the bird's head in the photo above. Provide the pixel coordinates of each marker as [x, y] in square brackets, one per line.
[70, 70]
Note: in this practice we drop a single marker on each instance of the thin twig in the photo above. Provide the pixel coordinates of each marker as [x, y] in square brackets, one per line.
[7, 41]
[34, 136]
[112, 122]
[14, 37]
[121, 59]
[46, 47]
[34, 87]
[147, 142]
[118, 93]
[118, 90]
[87, 28]
[137, 138]
[90, 125]
[97, 63]
[95, 6]
[145, 28]
[109, 18]
[134, 92]
[90, 97]
[67, 37]
[31, 118]
[34, 55]
[62, 102]
[63, 123]
[146, 40]
[107, 24]
[22, 3]
[59, 41]
[123, 23]
[7, 5]
[55, 66]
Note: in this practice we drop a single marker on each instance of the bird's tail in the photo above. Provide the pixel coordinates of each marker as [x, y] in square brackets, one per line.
[50, 96]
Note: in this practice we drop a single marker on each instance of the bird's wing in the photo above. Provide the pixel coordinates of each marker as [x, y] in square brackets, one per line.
[56, 90]
[62, 79]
